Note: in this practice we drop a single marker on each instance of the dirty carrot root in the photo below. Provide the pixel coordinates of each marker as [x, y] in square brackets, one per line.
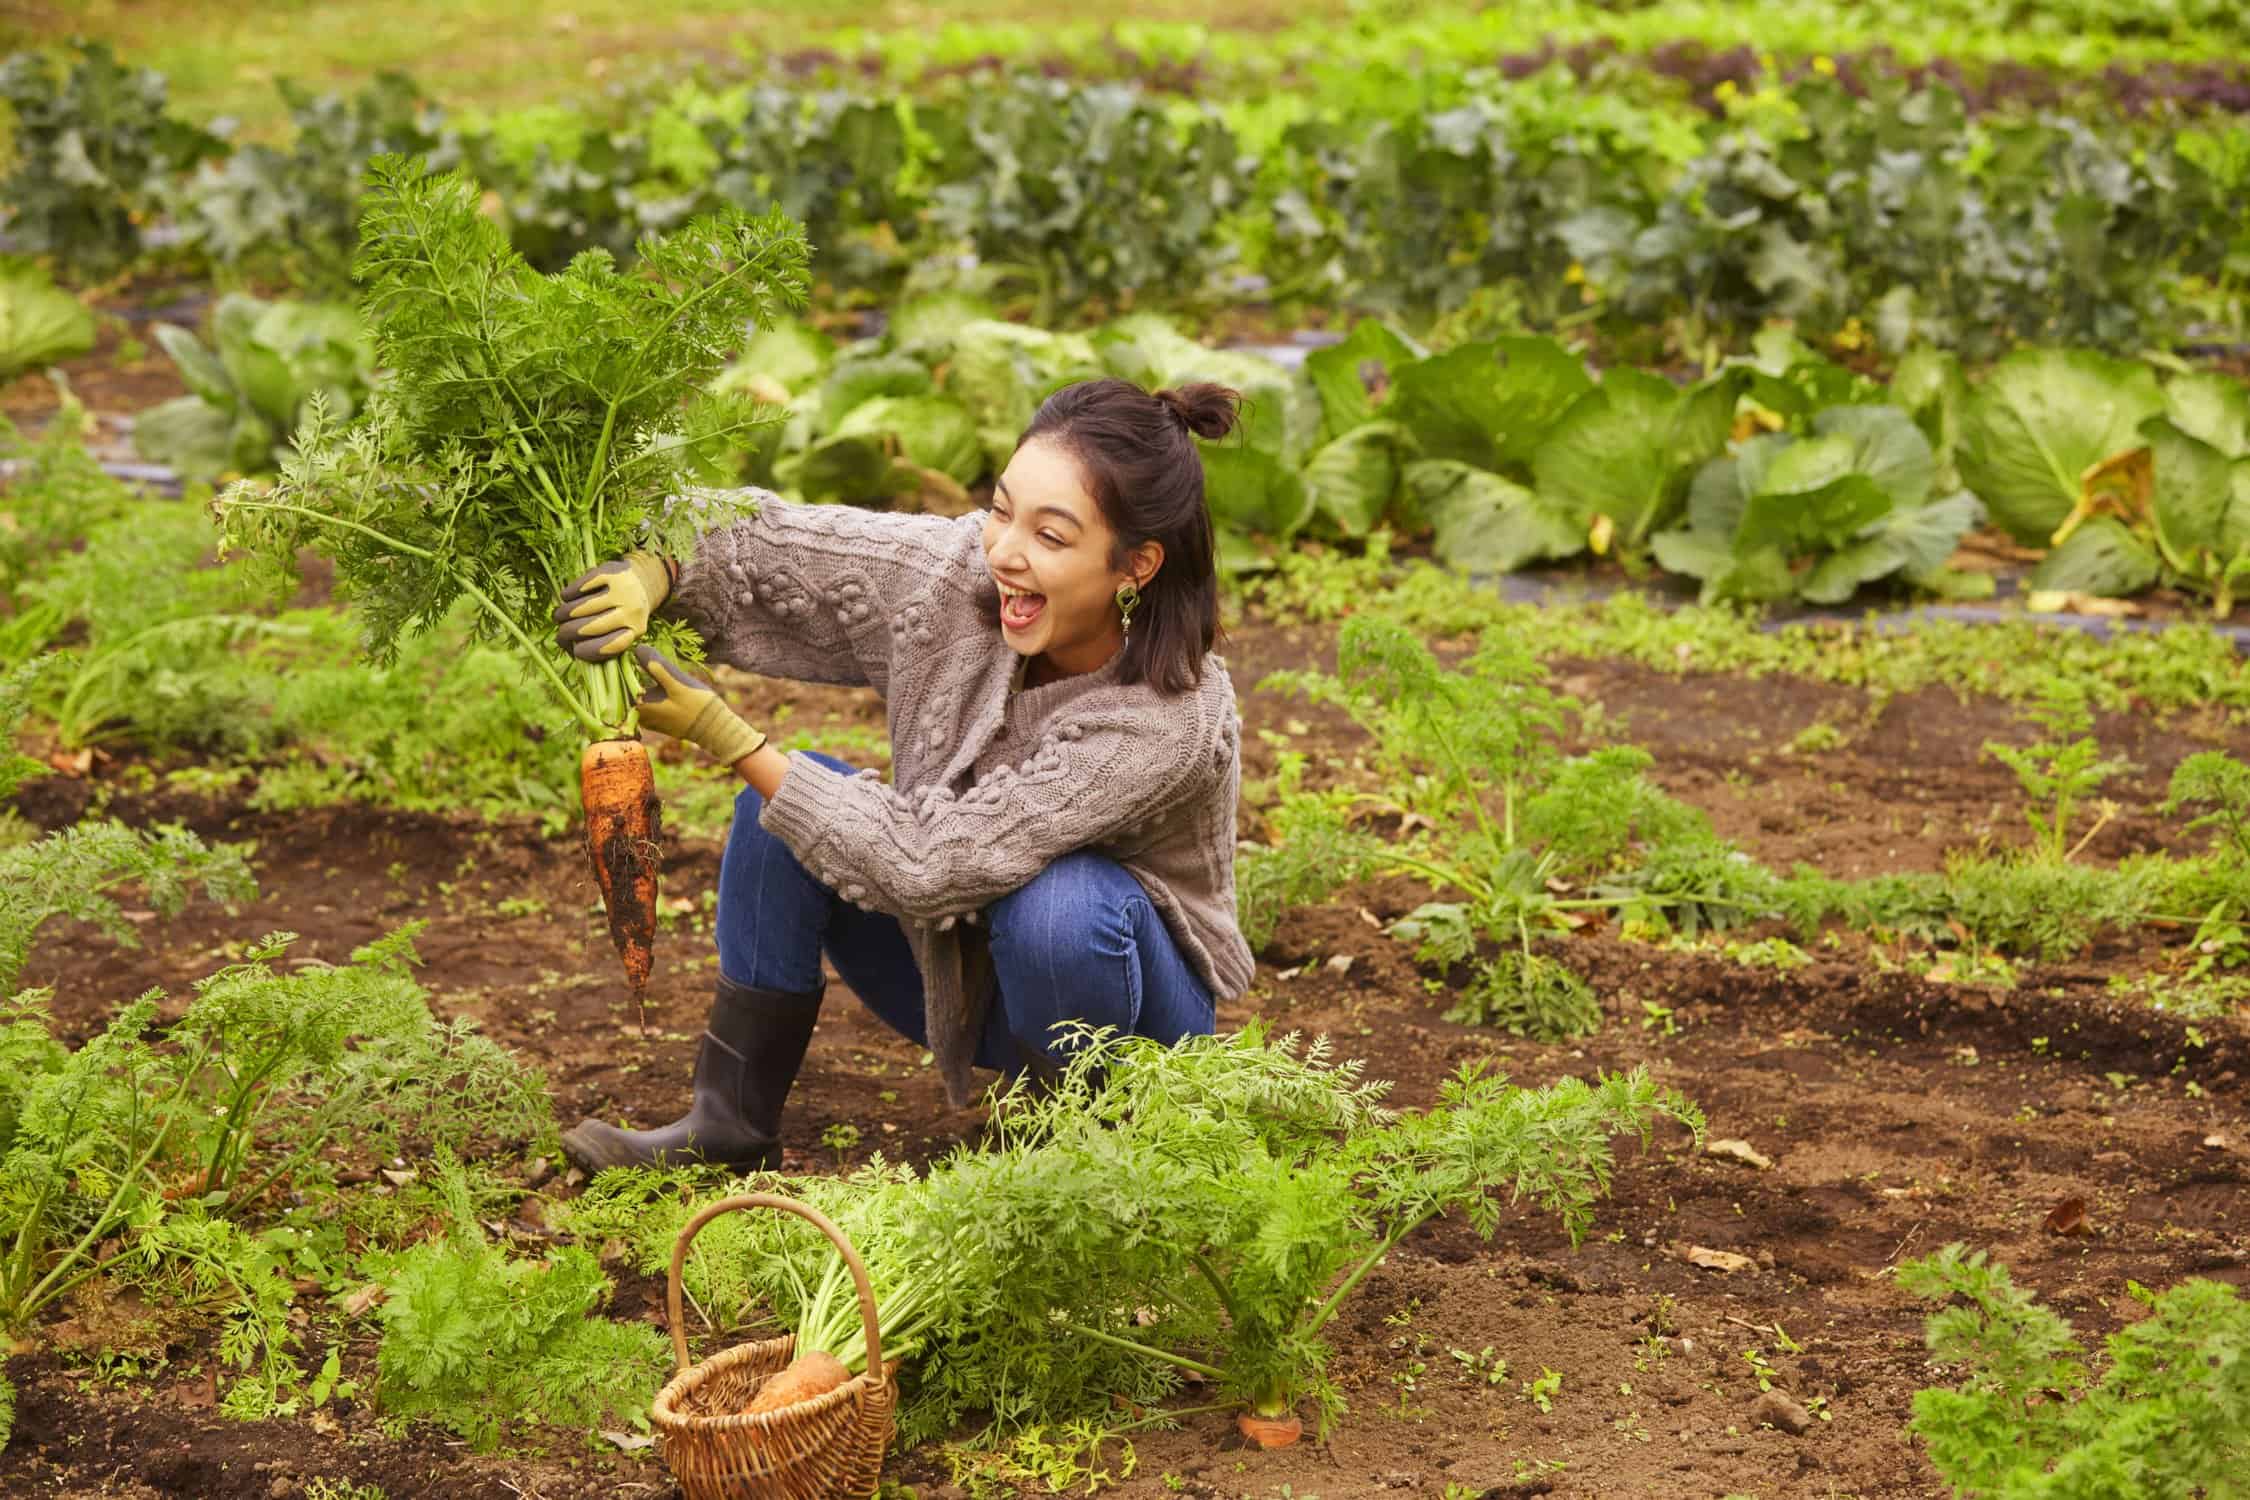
[806, 1376]
[623, 820]
[1270, 1432]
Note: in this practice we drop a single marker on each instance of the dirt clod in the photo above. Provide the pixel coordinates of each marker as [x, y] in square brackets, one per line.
[1775, 1409]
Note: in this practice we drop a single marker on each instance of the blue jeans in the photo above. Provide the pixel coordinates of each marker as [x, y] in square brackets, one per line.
[1081, 941]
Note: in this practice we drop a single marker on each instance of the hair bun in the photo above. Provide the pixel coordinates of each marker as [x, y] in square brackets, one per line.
[1208, 411]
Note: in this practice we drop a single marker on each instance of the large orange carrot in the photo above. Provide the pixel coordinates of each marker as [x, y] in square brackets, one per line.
[806, 1376]
[623, 821]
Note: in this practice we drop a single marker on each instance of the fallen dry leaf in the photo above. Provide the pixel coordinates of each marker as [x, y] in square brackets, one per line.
[631, 1442]
[1741, 1151]
[2064, 602]
[2218, 1142]
[1717, 1260]
[366, 1297]
[2069, 1217]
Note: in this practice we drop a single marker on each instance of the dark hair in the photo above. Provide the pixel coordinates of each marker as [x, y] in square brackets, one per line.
[1137, 452]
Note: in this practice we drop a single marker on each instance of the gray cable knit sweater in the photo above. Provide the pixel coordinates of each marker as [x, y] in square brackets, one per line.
[989, 784]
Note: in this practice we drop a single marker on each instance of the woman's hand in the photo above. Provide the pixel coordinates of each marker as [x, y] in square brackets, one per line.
[606, 608]
[688, 708]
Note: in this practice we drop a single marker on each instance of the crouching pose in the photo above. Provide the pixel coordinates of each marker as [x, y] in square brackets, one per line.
[1056, 841]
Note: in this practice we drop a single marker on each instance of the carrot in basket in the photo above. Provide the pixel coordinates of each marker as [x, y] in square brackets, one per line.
[806, 1376]
[623, 819]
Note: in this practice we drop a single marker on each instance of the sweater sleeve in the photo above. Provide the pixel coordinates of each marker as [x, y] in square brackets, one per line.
[809, 592]
[933, 855]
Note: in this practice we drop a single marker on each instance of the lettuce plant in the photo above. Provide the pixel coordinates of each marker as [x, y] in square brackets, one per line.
[250, 387]
[1817, 516]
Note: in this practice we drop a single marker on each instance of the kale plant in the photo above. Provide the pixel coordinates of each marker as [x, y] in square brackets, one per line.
[93, 147]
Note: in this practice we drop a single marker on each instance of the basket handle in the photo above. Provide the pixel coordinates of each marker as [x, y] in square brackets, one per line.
[819, 1221]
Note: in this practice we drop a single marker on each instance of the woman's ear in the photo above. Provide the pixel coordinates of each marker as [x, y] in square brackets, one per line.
[1143, 561]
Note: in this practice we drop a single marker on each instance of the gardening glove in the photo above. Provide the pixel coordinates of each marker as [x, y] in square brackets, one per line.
[607, 608]
[688, 708]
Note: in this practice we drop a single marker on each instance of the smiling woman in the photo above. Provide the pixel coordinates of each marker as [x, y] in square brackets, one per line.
[1057, 843]
[1094, 504]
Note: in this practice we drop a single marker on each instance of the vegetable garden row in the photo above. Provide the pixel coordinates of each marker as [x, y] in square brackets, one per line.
[1781, 476]
[1688, 1054]
[1895, 209]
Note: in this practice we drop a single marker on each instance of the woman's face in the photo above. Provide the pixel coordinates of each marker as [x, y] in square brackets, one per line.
[1049, 551]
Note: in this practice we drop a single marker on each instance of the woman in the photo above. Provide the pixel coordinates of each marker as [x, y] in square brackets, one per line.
[1057, 839]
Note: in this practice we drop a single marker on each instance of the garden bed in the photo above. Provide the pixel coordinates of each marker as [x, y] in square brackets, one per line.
[1898, 1113]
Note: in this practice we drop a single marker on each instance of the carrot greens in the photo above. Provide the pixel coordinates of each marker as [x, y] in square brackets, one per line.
[530, 426]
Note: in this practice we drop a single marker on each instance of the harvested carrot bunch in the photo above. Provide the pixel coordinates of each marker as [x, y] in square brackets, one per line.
[530, 427]
[806, 1376]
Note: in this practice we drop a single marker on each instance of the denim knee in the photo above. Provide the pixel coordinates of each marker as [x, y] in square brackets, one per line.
[1076, 906]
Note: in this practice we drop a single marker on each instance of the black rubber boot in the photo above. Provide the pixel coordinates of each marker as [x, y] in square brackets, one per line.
[752, 1047]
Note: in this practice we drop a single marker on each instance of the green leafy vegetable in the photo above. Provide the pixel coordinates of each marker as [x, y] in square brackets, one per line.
[1620, 459]
[2168, 1418]
[253, 389]
[1818, 516]
[2040, 421]
[1488, 404]
[39, 324]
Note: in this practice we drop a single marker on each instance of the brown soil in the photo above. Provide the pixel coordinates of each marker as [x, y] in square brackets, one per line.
[1899, 1114]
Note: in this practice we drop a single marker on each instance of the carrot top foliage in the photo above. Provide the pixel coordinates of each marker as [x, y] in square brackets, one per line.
[531, 425]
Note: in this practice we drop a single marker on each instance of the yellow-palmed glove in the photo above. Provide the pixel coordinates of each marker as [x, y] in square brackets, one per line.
[606, 608]
[688, 708]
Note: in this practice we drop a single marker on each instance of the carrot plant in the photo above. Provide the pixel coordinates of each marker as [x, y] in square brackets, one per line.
[1208, 1209]
[482, 1342]
[2061, 770]
[2035, 1419]
[1487, 807]
[172, 1144]
[73, 872]
[531, 427]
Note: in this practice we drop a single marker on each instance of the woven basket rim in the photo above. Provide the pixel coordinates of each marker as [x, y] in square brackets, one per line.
[663, 1412]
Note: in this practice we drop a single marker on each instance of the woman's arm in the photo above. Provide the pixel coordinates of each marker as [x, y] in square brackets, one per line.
[763, 769]
[933, 854]
[808, 592]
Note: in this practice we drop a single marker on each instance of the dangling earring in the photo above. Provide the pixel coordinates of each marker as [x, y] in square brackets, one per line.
[1128, 599]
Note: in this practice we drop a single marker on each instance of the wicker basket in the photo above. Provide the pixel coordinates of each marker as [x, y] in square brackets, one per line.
[827, 1448]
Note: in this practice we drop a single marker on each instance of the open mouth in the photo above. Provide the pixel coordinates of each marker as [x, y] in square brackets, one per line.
[1019, 607]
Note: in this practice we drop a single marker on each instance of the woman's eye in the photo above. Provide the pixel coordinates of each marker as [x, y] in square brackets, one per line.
[1051, 539]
